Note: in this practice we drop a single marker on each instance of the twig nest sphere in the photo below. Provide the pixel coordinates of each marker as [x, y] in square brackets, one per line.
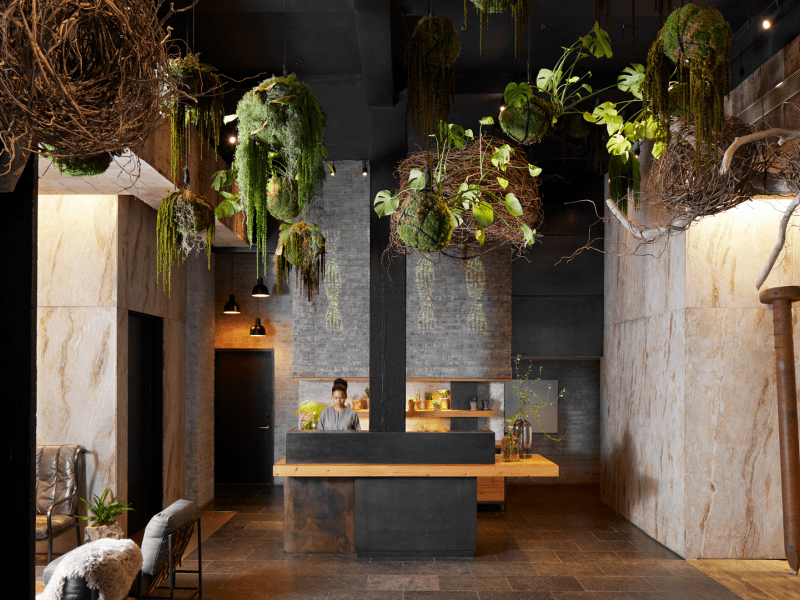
[425, 223]
[529, 123]
[282, 198]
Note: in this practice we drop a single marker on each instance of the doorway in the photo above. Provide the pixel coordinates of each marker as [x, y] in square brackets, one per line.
[145, 418]
[243, 433]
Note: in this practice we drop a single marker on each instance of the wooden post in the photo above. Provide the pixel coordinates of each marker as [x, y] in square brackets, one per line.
[781, 299]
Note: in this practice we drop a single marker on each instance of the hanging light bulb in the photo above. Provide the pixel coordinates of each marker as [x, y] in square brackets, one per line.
[766, 24]
[231, 306]
[364, 171]
[232, 139]
[333, 168]
[260, 290]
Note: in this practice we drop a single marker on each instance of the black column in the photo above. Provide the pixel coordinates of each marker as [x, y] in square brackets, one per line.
[387, 284]
[18, 367]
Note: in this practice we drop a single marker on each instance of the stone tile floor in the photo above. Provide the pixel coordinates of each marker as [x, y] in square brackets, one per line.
[554, 543]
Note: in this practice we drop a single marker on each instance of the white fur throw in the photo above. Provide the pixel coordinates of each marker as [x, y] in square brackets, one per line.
[109, 566]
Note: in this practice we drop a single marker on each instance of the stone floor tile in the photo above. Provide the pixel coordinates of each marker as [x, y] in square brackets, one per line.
[436, 568]
[493, 595]
[542, 556]
[603, 583]
[573, 568]
[640, 569]
[671, 596]
[365, 595]
[439, 595]
[403, 582]
[474, 583]
[606, 546]
[220, 553]
[682, 584]
[591, 596]
[557, 545]
[588, 556]
[489, 569]
[557, 583]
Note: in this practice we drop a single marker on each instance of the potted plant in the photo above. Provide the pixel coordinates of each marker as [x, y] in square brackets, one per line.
[309, 413]
[428, 401]
[437, 404]
[473, 404]
[103, 520]
[410, 404]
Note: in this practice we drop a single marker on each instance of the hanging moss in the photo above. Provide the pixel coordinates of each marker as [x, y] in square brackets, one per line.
[80, 167]
[280, 134]
[282, 198]
[697, 40]
[185, 223]
[575, 126]
[624, 175]
[429, 57]
[520, 9]
[425, 223]
[529, 123]
[199, 105]
[301, 246]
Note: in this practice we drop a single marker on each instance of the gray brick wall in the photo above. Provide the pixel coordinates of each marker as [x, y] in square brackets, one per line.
[578, 454]
[331, 335]
[458, 317]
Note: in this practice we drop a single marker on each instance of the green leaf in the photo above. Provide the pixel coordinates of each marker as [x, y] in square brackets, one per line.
[600, 44]
[631, 80]
[416, 180]
[589, 117]
[223, 179]
[385, 203]
[486, 121]
[545, 79]
[502, 156]
[618, 145]
[483, 213]
[228, 118]
[503, 182]
[282, 100]
[530, 234]
[613, 124]
[468, 133]
[456, 218]
[331, 168]
[573, 79]
[456, 135]
[513, 206]
[534, 171]
[587, 87]
[517, 94]
[479, 235]
[658, 149]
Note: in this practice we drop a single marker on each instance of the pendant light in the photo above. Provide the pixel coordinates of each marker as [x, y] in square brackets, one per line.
[260, 290]
[231, 306]
[257, 330]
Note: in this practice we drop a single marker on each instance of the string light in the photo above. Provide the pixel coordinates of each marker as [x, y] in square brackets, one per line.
[364, 171]
[766, 24]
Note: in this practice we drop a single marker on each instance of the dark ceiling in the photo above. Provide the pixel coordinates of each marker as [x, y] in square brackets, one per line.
[350, 52]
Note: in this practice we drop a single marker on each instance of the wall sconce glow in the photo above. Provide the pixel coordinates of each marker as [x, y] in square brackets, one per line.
[766, 24]
[364, 171]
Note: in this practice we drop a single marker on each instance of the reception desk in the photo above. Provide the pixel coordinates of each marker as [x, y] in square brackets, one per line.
[389, 494]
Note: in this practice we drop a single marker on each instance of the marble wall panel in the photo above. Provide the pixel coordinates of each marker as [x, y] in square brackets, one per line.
[174, 425]
[77, 251]
[609, 409]
[733, 492]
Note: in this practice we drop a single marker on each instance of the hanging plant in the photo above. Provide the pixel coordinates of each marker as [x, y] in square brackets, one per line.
[624, 179]
[79, 167]
[301, 246]
[280, 135]
[520, 9]
[529, 122]
[282, 198]
[425, 223]
[185, 223]
[429, 57]
[696, 40]
[198, 103]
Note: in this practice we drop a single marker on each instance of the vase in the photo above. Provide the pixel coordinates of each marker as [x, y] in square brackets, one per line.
[524, 432]
[418, 404]
[111, 532]
[509, 448]
[446, 403]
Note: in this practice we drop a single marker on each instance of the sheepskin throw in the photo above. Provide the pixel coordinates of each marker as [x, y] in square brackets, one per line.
[109, 566]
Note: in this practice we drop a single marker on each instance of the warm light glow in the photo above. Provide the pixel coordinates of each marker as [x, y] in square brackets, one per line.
[502, 107]
[233, 139]
[766, 24]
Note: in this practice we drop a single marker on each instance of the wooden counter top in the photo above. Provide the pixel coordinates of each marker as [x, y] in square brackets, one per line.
[536, 466]
[438, 414]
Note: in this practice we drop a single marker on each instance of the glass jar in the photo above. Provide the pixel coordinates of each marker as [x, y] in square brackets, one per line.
[510, 448]
[524, 433]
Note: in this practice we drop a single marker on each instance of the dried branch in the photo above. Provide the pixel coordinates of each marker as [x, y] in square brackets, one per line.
[644, 234]
[174, 11]
[784, 136]
[779, 244]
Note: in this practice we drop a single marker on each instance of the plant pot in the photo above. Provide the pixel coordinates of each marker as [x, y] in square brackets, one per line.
[426, 404]
[437, 405]
[110, 532]
[410, 405]
[417, 404]
[473, 405]
[446, 403]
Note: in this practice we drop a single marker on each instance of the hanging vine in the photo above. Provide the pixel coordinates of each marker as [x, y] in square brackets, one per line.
[303, 246]
[429, 57]
[520, 10]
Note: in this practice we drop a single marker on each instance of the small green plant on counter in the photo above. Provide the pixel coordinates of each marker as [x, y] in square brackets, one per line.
[311, 411]
[529, 401]
[102, 513]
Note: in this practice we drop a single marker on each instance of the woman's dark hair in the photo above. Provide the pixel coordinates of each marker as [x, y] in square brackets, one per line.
[340, 385]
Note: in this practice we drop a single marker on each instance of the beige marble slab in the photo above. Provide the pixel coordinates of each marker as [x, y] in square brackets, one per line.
[77, 243]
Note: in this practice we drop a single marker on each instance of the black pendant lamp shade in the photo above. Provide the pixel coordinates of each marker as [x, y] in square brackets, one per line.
[260, 290]
[231, 306]
[258, 329]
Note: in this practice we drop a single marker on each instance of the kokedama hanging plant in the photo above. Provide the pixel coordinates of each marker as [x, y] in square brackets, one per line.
[185, 223]
[430, 54]
[528, 122]
[198, 103]
[698, 41]
[280, 139]
[521, 10]
[282, 198]
[301, 246]
[80, 167]
[425, 223]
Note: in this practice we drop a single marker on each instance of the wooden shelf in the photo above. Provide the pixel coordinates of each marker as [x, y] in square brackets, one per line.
[414, 379]
[439, 414]
[536, 466]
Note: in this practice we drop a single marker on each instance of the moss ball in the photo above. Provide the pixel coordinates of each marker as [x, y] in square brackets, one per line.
[425, 223]
[302, 243]
[81, 167]
[528, 124]
[695, 33]
[282, 199]
[492, 6]
[441, 42]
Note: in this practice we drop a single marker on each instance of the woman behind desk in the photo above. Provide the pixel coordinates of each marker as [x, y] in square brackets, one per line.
[339, 417]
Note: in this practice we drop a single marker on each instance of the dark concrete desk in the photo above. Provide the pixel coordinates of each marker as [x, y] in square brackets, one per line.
[389, 494]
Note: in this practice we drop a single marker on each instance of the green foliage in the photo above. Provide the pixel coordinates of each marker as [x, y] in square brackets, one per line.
[200, 104]
[185, 222]
[102, 513]
[429, 56]
[280, 134]
[492, 6]
[425, 222]
[624, 175]
[80, 167]
[301, 246]
[520, 9]
[312, 411]
[230, 205]
[529, 123]
[282, 198]
[597, 42]
[529, 401]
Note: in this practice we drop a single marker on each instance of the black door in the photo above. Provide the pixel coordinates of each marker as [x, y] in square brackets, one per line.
[145, 418]
[243, 382]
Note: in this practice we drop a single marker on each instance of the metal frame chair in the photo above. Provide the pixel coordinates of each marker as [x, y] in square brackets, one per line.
[176, 544]
[79, 467]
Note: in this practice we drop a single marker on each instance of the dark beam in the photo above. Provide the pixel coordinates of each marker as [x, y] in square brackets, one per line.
[18, 242]
[387, 289]
[373, 23]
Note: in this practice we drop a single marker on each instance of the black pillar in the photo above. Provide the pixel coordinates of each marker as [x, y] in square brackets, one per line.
[387, 284]
[18, 368]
